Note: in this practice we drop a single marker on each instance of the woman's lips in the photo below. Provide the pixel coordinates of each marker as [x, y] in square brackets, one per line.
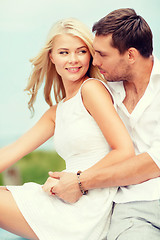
[73, 69]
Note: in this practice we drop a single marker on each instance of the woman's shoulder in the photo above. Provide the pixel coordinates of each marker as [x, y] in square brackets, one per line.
[93, 86]
[52, 109]
[94, 80]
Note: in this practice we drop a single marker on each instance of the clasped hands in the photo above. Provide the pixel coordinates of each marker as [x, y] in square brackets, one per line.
[64, 185]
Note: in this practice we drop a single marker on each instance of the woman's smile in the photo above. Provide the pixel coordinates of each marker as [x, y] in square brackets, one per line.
[73, 69]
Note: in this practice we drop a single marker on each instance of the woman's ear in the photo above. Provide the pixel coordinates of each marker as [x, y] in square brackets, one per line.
[51, 58]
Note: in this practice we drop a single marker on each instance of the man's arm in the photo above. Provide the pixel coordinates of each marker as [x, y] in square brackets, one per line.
[131, 171]
[135, 170]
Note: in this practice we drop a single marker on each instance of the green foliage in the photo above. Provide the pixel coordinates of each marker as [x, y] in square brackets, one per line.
[1, 181]
[35, 166]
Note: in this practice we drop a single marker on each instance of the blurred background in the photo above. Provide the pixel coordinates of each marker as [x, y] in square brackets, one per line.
[24, 25]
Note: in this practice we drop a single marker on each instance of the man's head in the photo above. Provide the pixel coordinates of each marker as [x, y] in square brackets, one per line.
[122, 39]
[127, 29]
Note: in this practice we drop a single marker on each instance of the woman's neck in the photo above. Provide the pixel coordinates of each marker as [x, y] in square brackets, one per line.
[72, 87]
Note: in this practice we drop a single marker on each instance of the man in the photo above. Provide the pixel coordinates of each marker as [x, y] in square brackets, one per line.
[123, 53]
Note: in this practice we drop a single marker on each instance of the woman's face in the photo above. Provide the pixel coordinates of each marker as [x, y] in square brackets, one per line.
[71, 57]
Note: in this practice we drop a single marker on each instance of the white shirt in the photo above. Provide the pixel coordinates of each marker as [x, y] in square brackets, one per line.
[143, 125]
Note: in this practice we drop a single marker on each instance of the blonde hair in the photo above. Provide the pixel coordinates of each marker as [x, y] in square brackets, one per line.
[44, 69]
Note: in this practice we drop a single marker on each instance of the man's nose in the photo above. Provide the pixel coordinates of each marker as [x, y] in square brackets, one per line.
[96, 61]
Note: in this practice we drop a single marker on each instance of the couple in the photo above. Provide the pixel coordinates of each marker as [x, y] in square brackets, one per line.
[90, 136]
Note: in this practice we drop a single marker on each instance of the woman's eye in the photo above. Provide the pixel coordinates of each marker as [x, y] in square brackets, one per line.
[82, 52]
[63, 52]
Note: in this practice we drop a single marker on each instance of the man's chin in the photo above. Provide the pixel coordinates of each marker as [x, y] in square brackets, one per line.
[109, 80]
[113, 80]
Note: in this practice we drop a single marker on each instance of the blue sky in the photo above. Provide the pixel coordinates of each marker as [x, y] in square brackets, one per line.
[24, 25]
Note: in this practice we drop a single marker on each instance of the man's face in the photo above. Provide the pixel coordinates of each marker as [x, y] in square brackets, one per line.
[113, 65]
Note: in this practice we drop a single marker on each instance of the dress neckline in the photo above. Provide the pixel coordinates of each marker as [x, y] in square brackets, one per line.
[70, 99]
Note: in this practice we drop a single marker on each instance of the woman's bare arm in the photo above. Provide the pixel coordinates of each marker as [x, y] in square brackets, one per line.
[28, 142]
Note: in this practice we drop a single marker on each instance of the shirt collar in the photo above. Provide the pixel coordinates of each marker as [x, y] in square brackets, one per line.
[118, 90]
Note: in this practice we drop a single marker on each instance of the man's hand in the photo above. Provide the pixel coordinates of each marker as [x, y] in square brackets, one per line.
[67, 187]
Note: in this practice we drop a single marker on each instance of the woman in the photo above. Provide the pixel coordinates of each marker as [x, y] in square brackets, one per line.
[86, 130]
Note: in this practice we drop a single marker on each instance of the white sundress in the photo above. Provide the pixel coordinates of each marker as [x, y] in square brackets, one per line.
[80, 142]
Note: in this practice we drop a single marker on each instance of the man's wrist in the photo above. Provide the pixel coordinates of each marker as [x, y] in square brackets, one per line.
[83, 191]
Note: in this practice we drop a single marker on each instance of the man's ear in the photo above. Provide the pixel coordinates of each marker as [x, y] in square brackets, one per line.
[132, 54]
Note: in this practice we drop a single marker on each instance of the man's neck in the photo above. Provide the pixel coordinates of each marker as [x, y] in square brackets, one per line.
[136, 88]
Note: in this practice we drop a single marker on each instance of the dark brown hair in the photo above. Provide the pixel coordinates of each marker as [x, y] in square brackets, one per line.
[128, 30]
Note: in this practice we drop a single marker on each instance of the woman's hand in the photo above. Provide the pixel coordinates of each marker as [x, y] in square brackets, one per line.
[49, 185]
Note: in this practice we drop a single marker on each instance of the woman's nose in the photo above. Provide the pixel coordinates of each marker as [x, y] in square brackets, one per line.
[73, 58]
